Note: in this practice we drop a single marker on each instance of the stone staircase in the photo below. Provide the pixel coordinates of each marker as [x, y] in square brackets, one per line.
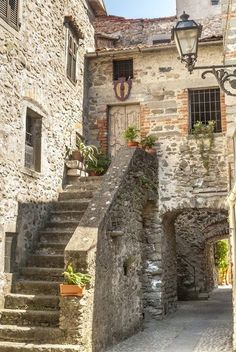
[30, 319]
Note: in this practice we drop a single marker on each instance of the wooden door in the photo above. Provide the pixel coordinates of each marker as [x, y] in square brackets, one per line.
[120, 117]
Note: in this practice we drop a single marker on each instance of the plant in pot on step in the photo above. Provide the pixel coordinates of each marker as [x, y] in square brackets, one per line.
[99, 166]
[82, 152]
[130, 135]
[147, 143]
[74, 283]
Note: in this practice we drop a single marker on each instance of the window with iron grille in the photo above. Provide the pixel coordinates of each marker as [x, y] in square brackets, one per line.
[215, 2]
[33, 140]
[122, 68]
[9, 11]
[72, 57]
[204, 106]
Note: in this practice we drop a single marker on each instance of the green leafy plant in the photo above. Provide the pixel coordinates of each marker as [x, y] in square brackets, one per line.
[72, 278]
[131, 133]
[222, 258]
[148, 141]
[87, 151]
[204, 135]
[101, 165]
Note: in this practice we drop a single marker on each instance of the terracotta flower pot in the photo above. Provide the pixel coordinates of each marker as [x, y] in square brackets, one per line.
[76, 155]
[132, 144]
[71, 290]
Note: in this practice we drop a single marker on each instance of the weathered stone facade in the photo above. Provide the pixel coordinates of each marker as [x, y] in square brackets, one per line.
[147, 214]
[160, 89]
[113, 247]
[33, 75]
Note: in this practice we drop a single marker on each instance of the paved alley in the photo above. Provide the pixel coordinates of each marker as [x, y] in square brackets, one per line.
[197, 326]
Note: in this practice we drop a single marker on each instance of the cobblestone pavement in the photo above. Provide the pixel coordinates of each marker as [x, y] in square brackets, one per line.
[197, 326]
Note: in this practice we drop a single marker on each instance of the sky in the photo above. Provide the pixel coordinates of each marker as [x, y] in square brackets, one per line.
[141, 8]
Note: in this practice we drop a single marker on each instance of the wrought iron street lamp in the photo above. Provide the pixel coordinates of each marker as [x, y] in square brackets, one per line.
[186, 35]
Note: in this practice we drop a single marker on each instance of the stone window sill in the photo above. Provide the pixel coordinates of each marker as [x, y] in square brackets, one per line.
[216, 134]
[31, 173]
[10, 29]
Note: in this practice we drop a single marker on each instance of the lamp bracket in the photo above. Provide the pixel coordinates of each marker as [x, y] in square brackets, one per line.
[223, 77]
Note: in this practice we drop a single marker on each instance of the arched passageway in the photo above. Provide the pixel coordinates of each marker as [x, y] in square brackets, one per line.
[189, 235]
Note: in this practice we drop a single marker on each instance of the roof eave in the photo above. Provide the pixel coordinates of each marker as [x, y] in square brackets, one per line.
[98, 7]
[123, 51]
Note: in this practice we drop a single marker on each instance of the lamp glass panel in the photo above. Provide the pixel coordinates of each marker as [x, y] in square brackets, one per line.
[187, 41]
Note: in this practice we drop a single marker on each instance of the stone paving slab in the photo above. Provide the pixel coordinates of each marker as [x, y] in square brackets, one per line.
[197, 326]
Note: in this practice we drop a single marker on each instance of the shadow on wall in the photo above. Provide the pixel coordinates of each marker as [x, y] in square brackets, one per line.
[30, 219]
[188, 235]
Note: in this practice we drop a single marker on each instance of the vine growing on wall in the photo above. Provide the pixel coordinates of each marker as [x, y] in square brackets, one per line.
[204, 135]
[222, 260]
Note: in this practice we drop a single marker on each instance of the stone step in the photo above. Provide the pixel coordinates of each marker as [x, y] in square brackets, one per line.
[34, 334]
[203, 296]
[81, 204]
[83, 186]
[51, 248]
[23, 347]
[52, 237]
[84, 181]
[45, 274]
[24, 317]
[37, 287]
[62, 224]
[76, 194]
[62, 215]
[31, 302]
[46, 260]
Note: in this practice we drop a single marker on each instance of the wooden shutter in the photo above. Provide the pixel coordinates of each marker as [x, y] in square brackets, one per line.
[3, 8]
[13, 12]
[9, 11]
[72, 58]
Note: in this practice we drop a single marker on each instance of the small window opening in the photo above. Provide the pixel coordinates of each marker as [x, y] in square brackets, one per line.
[122, 68]
[72, 57]
[10, 252]
[33, 140]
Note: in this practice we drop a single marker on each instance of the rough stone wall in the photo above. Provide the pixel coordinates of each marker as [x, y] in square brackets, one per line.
[193, 231]
[160, 87]
[33, 74]
[132, 32]
[229, 30]
[111, 244]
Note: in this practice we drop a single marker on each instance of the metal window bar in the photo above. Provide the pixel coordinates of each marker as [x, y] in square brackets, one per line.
[204, 105]
[122, 68]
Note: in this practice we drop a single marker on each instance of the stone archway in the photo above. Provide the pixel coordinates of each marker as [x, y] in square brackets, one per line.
[183, 251]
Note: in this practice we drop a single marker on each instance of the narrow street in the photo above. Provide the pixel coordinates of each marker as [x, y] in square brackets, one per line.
[197, 326]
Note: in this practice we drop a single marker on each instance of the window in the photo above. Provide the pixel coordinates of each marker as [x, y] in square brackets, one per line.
[122, 68]
[9, 11]
[33, 140]
[215, 2]
[160, 41]
[72, 57]
[204, 105]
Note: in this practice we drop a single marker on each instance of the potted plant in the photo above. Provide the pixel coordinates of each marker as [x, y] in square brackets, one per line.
[82, 152]
[100, 166]
[74, 284]
[148, 143]
[130, 134]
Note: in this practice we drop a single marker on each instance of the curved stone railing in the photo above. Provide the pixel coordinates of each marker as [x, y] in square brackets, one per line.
[108, 244]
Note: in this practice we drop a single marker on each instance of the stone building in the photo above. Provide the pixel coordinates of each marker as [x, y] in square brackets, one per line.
[146, 235]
